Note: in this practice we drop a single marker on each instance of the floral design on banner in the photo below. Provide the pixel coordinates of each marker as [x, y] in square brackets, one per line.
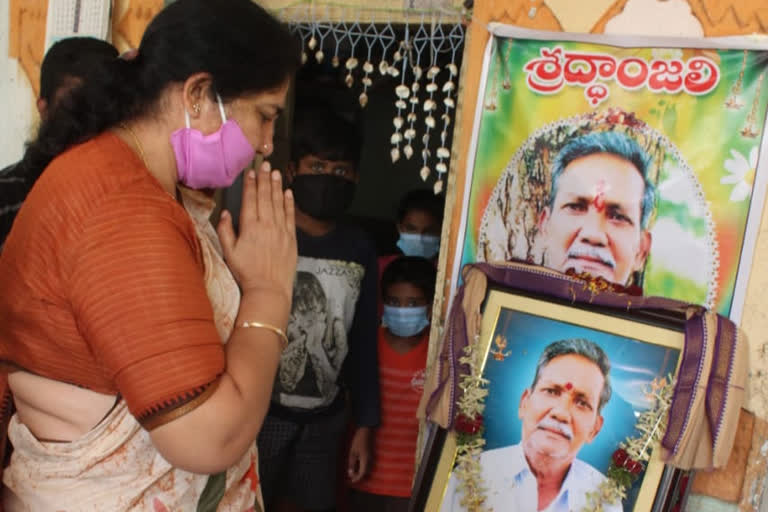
[741, 173]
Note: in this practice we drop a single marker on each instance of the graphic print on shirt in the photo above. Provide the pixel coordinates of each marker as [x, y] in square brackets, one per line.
[324, 296]
[418, 380]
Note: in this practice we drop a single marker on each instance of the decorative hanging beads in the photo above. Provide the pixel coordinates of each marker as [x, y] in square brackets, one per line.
[421, 93]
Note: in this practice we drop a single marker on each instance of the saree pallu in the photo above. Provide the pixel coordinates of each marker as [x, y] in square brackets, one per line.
[709, 393]
[115, 467]
[709, 390]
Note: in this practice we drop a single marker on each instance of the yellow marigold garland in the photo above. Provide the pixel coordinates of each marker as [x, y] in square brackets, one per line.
[629, 461]
[469, 429]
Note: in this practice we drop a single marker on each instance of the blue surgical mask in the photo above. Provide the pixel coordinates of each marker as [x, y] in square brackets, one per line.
[405, 322]
[414, 244]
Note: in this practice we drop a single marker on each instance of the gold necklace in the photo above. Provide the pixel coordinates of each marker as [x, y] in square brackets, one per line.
[137, 142]
[141, 150]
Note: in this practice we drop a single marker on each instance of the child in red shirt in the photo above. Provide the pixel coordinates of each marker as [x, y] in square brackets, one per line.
[408, 287]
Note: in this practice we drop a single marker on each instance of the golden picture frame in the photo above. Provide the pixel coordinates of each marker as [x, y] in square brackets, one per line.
[516, 331]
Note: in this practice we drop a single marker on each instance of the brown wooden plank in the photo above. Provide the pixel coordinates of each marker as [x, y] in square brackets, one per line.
[726, 483]
[757, 463]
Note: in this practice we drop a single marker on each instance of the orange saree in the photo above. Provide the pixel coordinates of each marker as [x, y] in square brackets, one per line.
[112, 285]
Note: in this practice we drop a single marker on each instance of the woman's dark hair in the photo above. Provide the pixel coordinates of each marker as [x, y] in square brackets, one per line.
[242, 46]
[415, 270]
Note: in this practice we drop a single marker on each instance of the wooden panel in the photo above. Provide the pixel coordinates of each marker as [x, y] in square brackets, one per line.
[610, 13]
[129, 20]
[381, 11]
[701, 503]
[755, 479]
[27, 30]
[722, 18]
[726, 483]
[27, 37]
[573, 17]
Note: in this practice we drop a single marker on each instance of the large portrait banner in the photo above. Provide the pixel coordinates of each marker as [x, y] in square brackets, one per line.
[636, 160]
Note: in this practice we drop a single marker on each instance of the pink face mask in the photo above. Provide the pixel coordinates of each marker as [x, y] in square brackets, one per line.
[211, 161]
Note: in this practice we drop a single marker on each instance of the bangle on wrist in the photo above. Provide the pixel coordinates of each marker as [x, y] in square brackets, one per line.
[280, 333]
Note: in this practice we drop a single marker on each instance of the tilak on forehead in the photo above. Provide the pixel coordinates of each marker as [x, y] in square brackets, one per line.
[599, 198]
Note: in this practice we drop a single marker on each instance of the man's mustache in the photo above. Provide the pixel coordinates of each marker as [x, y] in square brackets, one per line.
[556, 426]
[594, 253]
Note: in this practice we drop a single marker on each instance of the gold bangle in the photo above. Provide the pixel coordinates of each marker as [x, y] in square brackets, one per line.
[280, 333]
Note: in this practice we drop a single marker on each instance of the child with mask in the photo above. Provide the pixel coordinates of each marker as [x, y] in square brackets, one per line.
[331, 355]
[419, 221]
[408, 287]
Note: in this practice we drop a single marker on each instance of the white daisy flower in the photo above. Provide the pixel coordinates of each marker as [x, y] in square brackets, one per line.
[741, 174]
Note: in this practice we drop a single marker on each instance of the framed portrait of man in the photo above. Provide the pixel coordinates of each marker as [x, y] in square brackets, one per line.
[639, 161]
[566, 387]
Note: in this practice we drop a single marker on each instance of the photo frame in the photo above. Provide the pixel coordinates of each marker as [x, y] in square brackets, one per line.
[640, 351]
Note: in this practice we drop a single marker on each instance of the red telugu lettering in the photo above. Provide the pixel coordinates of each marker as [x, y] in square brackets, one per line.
[543, 73]
[696, 81]
[628, 80]
[666, 75]
[596, 93]
[547, 74]
[604, 65]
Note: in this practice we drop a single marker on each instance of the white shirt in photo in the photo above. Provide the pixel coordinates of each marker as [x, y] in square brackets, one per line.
[511, 485]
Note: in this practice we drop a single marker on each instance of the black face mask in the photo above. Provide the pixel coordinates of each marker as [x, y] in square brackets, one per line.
[323, 196]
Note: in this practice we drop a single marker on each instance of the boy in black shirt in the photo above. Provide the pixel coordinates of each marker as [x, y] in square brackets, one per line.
[332, 330]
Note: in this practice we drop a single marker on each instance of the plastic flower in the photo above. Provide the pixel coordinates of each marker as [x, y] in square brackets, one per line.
[467, 425]
[634, 467]
[741, 174]
[620, 456]
[624, 462]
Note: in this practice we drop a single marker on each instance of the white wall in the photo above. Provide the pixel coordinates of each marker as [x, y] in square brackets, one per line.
[18, 115]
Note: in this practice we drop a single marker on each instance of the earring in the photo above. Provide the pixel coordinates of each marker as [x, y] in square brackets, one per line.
[196, 109]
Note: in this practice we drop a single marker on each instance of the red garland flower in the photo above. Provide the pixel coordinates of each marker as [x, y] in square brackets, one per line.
[467, 425]
[634, 467]
[621, 460]
[620, 456]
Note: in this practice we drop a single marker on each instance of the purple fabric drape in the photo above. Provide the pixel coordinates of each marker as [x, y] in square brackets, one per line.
[538, 280]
